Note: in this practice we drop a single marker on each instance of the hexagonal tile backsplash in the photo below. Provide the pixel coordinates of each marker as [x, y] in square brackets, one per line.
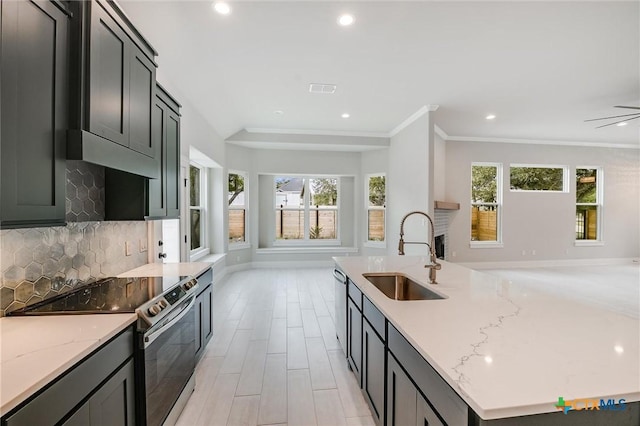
[84, 192]
[39, 263]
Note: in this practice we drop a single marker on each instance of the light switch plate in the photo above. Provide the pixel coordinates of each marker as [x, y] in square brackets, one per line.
[143, 245]
[127, 248]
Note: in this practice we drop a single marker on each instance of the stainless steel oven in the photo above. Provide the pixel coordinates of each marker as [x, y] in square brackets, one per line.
[167, 357]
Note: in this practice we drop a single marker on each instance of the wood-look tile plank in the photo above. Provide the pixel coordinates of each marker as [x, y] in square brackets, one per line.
[206, 372]
[236, 353]
[296, 349]
[218, 403]
[301, 409]
[244, 411]
[238, 309]
[294, 316]
[329, 410]
[352, 400]
[253, 369]
[319, 365]
[310, 323]
[360, 421]
[220, 342]
[280, 305]
[262, 325]
[273, 401]
[278, 336]
[328, 331]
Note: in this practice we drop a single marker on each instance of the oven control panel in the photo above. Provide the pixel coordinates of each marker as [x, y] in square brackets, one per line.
[158, 307]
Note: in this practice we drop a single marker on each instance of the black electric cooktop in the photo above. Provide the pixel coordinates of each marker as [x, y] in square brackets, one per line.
[107, 295]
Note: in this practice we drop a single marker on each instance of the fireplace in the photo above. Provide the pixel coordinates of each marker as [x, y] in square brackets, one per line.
[440, 249]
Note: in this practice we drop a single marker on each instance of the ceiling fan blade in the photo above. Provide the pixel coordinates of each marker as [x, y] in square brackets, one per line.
[613, 116]
[629, 107]
[616, 122]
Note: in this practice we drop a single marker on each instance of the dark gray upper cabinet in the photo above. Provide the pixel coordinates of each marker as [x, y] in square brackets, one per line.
[34, 109]
[113, 124]
[133, 197]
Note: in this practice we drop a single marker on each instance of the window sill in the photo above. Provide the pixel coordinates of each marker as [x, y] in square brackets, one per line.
[589, 243]
[306, 243]
[306, 250]
[239, 246]
[375, 244]
[485, 244]
[198, 254]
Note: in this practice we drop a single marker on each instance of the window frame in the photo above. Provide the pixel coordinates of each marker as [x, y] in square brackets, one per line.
[367, 208]
[565, 178]
[204, 246]
[306, 240]
[497, 204]
[599, 204]
[246, 243]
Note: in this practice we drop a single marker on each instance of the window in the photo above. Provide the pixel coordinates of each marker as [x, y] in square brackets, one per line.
[376, 206]
[196, 208]
[237, 197]
[486, 200]
[306, 208]
[538, 178]
[588, 204]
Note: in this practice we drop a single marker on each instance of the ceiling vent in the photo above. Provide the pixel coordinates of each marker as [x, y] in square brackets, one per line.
[326, 89]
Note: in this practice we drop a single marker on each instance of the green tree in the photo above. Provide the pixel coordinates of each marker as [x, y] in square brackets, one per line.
[586, 186]
[377, 190]
[537, 179]
[483, 184]
[325, 192]
[236, 186]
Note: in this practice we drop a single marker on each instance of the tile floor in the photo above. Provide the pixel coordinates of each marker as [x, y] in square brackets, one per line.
[274, 358]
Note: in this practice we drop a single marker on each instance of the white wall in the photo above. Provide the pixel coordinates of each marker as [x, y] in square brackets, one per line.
[439, 169]
[409, 184]
[545, 222]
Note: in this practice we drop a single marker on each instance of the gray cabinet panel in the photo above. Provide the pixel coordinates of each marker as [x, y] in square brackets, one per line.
[141, 98]
[172, 165]
[81, 417]
[114, 402]
[354, 339]
[373, 378]
[426, 415]
[355, 294]
[157, 195]
[34, 110]
[401, 396]
[374, 316]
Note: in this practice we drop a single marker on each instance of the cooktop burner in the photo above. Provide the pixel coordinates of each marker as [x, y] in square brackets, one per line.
[108, 295]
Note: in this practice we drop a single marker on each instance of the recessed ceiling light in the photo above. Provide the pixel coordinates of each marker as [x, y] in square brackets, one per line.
[278, 112]
[619, 349]
[222, 8]
[345, 115]
[490, 117]
[346, 20]
[488, 359]
[624, 123]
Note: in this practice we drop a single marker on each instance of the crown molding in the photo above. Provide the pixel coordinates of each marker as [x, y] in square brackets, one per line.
[317, 132]
[413, 117]
[541, 142]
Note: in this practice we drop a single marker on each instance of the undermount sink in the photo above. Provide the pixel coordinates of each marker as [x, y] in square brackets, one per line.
[398, 286]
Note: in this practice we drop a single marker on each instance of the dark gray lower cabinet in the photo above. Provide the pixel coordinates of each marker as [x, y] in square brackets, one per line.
[100, 390]
[373, 353]
[34, 113]
[204, 328]
[401, 396]
[354, 339]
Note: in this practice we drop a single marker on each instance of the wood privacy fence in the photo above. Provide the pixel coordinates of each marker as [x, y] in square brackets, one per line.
[236, 225]
[484, 224]
[290, 224]
[376, 225]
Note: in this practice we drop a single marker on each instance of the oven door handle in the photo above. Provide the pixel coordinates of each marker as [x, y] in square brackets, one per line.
[153, 336]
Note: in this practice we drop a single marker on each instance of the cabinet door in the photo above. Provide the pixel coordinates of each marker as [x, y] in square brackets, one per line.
[401, 396]
[142, 83]
[198, 327]
[114, 402]
[426, 415]
[81, 417]
[157, 197]
[34, 113]
[373, 352]
[354, 340]
[207, 330]
[110, 59]
[172, 172]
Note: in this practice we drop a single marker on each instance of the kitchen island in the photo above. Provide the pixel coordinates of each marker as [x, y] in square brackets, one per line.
[507, 351]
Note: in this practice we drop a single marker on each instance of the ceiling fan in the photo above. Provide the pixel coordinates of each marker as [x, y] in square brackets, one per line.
[628, 117]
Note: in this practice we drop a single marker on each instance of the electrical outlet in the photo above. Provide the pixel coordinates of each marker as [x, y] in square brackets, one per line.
[533, 252]
[524, 252]
[454, 253]
[129, 288]
[143, 245]
[127, 248]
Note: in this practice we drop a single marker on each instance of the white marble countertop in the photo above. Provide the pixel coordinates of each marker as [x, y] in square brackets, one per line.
[36, 350]
[167, 269]
[507, 350]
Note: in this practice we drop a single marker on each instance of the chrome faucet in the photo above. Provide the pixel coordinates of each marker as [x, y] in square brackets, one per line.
[434, 265]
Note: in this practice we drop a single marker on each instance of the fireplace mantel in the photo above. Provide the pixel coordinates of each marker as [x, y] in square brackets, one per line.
[446, 205]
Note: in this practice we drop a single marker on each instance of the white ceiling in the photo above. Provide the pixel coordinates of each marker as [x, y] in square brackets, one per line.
[541, 67]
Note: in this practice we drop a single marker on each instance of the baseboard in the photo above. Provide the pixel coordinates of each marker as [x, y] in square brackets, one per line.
[549, 263]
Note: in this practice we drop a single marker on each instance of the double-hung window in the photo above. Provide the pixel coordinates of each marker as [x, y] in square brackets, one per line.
[197, 211]
[375, 188]
[238, 204]
[588, 205]
[306, 208]
[486, 204]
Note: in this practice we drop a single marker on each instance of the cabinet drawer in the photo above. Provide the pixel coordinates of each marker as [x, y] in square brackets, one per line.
[374, 317]
[51, 405]
[444, 399]
[355, 294]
